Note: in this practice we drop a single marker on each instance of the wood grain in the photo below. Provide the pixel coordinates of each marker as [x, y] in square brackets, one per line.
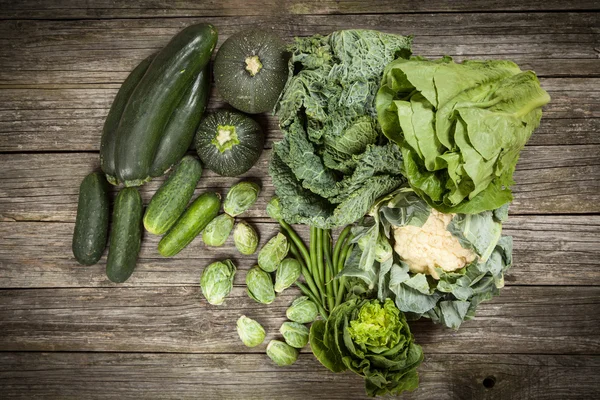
[68, 333]
[44, 187]
[104, 51]
[559, 250]
[71, 118]
[186, 8]
[521, 320]
[221, 376]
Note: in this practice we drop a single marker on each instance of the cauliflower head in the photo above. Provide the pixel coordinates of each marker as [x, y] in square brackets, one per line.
[431, 245]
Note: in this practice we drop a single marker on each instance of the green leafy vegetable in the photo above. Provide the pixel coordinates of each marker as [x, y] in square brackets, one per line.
[295, 334]
[273, 252]
[443, 265]
[217, 231]
[260, 286]
[251, 332]
[216, 281]
[332, 163]
[245, 238]
[240, 198]
[372, 339]
[288, 272]
[302, 310]
[461, 127]
[281, 353]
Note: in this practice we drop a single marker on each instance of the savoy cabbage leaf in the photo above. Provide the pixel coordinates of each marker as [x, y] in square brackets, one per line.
[334, 162]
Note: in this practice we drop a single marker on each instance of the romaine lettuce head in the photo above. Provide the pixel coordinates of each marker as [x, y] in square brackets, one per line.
[423, 275]
[372, 339]
[461, 127]
[334, 162]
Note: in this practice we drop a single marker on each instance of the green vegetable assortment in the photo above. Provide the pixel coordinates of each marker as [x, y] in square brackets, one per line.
[400, 166]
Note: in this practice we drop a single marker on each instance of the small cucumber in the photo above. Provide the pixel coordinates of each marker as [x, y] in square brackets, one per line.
[91, 224]
[109, 132]
[125, 235]
[184, 121]
[196, 217]
[169, 202]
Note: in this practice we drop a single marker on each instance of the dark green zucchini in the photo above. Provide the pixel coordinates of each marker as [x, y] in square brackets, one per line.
[196, 217]
[169, 202]
[180, 130]
[109, 132]
[125, 235]
[91, 224]
[156, 96]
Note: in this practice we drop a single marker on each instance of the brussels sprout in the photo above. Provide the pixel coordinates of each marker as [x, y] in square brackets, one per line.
[218, 230]
[245, 238]
[251, 332]
[288, 272]
[272, 253]
[274, 208]
[302, 311]
[295, 334]
[260, 285]
[281, 353]
[240, 198]
[217, 280]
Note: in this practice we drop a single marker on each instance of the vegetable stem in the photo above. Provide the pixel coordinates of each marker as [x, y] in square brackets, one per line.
[320, 266]
[305, 272]
[342, 288]
[329, 271]
[297, 241]
[338, 245]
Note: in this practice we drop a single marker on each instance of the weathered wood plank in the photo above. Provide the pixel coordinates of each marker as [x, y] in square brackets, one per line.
[57, 9]
[104, 51]
[549, 250]
[522, 320]
[44, 187]
[182, 376]
[66, 118]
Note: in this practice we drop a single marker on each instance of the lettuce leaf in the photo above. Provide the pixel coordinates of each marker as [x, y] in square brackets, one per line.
[461, 127]
[333, 162]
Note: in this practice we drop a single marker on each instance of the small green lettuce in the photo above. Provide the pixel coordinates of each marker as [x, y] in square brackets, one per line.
[373, 340]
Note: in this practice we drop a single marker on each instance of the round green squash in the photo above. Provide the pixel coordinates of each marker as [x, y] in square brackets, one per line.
[229, 143]
[251, 69]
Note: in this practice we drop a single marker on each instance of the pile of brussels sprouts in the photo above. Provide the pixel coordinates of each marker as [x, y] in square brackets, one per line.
[216, 281]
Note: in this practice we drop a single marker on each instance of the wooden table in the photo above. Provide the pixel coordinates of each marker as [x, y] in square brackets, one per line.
[67, 332]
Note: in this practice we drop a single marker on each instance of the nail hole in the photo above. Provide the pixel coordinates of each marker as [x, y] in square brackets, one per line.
[489, 382]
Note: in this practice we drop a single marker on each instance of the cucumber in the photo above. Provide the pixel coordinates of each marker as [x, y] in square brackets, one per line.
[196, 217]
[184, 121]
[91, 224]
[156, 96]
[125, 235]
[169, 202]
[109, 132]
